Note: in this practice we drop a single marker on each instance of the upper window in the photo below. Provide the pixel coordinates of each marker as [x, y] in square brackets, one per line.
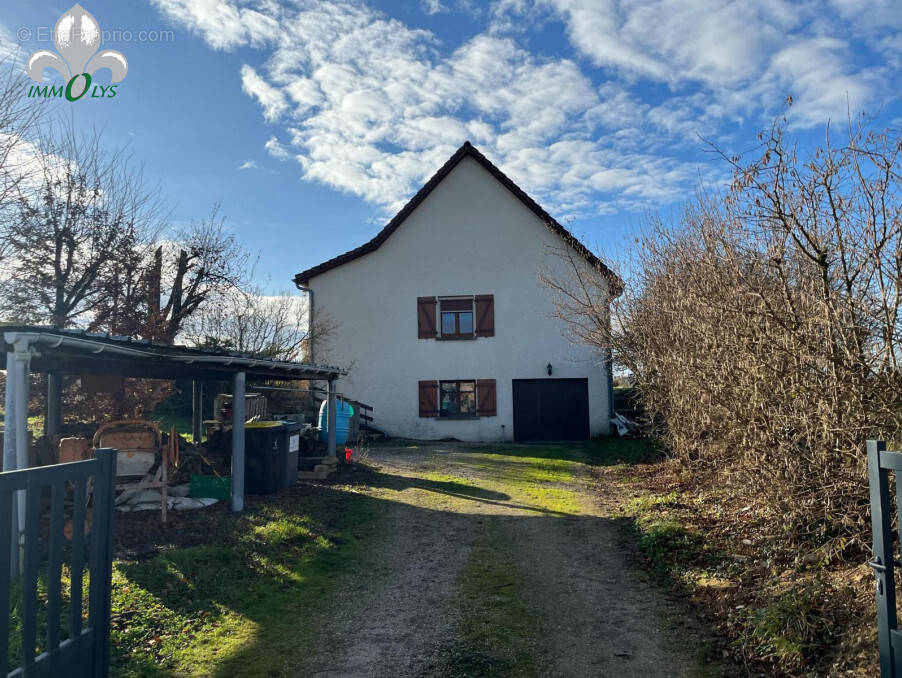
[457, 318]
[458, 399]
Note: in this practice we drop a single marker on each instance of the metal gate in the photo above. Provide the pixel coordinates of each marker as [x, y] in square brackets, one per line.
[70, 645]
[884, 562]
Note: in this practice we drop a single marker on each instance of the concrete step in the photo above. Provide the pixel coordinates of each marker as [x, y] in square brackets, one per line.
[323, 468]
[331, 461]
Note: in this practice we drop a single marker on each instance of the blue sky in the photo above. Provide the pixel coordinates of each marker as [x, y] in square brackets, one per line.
[312, 122]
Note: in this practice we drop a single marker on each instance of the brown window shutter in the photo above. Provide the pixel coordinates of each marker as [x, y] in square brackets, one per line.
[428, 398]
[485, 315]
[486, 400]
[426, 317]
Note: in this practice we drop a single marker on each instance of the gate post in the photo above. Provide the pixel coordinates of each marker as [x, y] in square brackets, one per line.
[884, 559]
[104, 497]
[9, 462]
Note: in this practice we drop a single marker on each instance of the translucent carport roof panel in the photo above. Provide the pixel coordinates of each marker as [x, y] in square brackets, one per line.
[79, 352]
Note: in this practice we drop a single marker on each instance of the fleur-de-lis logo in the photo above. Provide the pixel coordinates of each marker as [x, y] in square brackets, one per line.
[77, 39]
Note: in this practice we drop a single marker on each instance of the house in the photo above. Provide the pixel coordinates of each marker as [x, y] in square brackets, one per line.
[445, 326]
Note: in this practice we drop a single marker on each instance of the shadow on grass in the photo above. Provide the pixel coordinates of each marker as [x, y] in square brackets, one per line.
[608, 451]
[455, 489]
[247, 594]
[254, 594]
[289, 570]
[451, 488]
[216, 581]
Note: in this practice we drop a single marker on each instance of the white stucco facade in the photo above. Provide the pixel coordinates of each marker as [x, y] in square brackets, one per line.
[470, 236]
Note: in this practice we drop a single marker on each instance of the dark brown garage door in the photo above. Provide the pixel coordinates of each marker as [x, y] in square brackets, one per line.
[551, 409]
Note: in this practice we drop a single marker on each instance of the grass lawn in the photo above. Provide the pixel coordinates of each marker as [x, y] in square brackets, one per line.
[218, 594]
[234, 604]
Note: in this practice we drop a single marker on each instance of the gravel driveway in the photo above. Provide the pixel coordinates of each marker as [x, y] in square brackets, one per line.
[495, 562]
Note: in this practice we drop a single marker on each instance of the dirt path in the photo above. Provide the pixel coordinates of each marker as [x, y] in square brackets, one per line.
[495, 563]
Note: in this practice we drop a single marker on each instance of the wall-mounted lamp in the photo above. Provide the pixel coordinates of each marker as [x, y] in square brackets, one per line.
[549, 369]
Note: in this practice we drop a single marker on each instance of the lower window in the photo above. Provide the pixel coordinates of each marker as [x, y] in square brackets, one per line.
[458, 399]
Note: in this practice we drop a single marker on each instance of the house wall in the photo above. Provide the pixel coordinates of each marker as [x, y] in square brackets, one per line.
[469, 236]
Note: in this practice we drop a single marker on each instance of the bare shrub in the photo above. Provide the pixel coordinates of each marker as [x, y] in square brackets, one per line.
[763, 328]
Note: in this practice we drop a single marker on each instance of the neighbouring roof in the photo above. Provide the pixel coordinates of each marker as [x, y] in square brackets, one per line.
[467, 150]
[74, 351]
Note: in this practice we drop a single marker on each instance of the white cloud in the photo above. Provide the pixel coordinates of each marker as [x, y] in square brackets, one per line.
[10, 50]
[433, 6]
[714, 41]
[816, 73]
[248, 164]
[375, 107]
[746, 56]
[272, 100]
[370, 106]
[224, 25]
[276, 149]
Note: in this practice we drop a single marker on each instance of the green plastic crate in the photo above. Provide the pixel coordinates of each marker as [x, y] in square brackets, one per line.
[211, 487]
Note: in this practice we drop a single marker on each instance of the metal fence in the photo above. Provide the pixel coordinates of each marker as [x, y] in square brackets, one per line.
[56, 546]
[885, 561]
[366, 417]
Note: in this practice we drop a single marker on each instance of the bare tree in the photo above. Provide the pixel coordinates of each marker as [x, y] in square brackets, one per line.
[77, 215]
[249, 321]
[20, 120]
[205, 261]
[582, 297]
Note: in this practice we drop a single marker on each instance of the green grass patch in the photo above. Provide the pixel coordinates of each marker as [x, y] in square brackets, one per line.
[42, 617]
[623, 451]
[499, 635]
[646, 503]
[245, 603]
[798, 626]
[671, 544]
[538, 481]
[664, 540]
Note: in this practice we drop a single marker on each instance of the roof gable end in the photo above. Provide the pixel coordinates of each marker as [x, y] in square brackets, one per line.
[467, 150]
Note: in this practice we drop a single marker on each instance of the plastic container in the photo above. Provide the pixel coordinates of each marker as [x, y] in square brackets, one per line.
[293, 449]
[343, 413]
[210, 487]
[265, 448]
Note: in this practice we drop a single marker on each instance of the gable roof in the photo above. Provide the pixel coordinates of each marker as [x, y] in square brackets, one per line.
[467, 150]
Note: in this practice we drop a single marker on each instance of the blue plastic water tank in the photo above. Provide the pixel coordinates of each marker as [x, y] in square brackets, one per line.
[343, 413]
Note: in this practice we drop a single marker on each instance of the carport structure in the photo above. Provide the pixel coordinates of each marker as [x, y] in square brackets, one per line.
[58, 352]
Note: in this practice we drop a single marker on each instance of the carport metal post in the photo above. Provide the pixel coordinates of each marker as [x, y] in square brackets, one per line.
[54, 404]
[197, 415]
[330, 419]
[238, 442]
